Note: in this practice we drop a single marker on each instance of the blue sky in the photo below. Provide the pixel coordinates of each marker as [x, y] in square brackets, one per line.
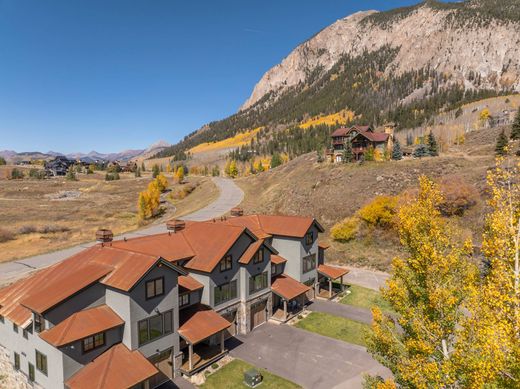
[108, 75]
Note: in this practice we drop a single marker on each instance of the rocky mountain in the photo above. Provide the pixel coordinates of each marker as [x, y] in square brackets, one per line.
[404, 65]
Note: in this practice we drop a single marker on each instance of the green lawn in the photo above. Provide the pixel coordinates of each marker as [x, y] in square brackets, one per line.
[365, 298]
[232, 376]
[336, 327]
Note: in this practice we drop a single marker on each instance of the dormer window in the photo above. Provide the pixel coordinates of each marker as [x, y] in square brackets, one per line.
[309, 238]
[39, 323]
[226, 263]
[154, 288]
[259, 256]
[93, 342]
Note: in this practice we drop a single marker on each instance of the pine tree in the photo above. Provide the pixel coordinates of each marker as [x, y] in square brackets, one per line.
[233, 169]
[515, 132]
[348, 155]
[155, 170]
[276, 160]
[421, 151]
[432, 145]
[501, 146]
[2, 161]
[397, 153]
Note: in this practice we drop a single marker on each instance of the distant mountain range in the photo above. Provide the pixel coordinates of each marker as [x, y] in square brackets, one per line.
[126, 155]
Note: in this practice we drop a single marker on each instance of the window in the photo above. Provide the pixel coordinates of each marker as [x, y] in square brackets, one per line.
[154, 327]
[309, 238]
[226, 263]
[225, 292]
[259, 256]
[309, 263]
[1, 319]
[39, 323]
[16, 361]
[310, 282]
[31, 372]
[273, 269]
[257, 282]
[93, 342]
[184, 299]
[154, 288]
[41, 362]
[15, 328]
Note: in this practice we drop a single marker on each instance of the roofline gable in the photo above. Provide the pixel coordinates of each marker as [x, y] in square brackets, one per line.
[161, 261]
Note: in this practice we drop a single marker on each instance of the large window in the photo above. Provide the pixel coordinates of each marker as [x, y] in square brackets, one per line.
[184, 299]
[225, 292]
[259, 256]
[39, 323]
[257, 282]
[309, 238]
[41, 362]
[226, 263]
[309, 263]
[273, 269]
[93, 342]
[16, 361]
[154, 327]
[31, 372]
[154, 288]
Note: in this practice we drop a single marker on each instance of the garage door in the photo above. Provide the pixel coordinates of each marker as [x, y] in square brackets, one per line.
[231, 317]
[258, 314]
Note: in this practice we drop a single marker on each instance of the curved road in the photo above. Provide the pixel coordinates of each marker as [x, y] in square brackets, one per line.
[230, 196]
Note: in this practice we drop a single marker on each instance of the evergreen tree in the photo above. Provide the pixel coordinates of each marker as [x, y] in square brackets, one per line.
[348, 155]
[421, 151]
[319, 157]
[500, 148]
[252, 169]
[515, 133]
[276, 160]
[143, 168]
[2, 161]
[432, 145]
[397, 153]
[155, 170]
[71, 174]
[137, 172]
[233, 169]
[215, 172]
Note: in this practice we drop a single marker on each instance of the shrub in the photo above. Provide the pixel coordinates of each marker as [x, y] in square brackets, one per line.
[16, 174]
[421, 151]
[112, 176]
[214, 366]
[379, 212]
[71, 174]
[37, 173]
[345, 230]
[27, 230]
[458, 195]
[51, 229]
[2, 161]
[5, 235]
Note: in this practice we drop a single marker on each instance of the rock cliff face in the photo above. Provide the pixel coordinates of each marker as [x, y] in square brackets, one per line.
[468, 42]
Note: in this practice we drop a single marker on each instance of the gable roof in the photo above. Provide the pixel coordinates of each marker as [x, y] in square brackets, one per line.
[287, 287]
[253, 249]
[81, 325]
[277, 259]
[374, 136]
[332, 272]
[343, 131]
[116, 368]
[189, 283]
[199, 322]
[281, 225]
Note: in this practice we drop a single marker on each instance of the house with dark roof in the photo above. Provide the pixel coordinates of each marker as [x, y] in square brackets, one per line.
[134, 313]
[361, 139]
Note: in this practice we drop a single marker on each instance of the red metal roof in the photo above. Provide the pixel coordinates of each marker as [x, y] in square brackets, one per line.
[332, 271]
[323, 245]
[116, 368]
[189, 283]
[287, 287]
[340, 132]
[251, 251]
[200, 322]
[277, 259]
[82, 324]
[374, 136]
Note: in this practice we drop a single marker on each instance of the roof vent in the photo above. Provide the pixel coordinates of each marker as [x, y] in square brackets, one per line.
[237, 212]
[104, 236]
[175, 225]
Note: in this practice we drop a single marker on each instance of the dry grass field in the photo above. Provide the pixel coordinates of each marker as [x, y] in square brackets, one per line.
[332, 192]
[46, 215]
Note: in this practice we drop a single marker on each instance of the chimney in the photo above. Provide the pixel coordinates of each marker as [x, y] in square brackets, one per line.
[104, 235]
[237, 212]
[175, 225]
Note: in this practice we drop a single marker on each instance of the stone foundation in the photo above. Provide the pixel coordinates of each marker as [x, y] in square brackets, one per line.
[9, 377]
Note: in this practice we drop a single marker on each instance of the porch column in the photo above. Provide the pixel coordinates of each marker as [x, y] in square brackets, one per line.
[190, 356]
[285, 309]
[221, 341]
[330, 287]
[342, 285]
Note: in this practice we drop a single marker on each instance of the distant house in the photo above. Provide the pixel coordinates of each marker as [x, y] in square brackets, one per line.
[361, 138]
[58, 166]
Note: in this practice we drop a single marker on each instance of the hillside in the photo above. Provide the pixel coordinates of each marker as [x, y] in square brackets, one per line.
[333, 192]
[385, 66]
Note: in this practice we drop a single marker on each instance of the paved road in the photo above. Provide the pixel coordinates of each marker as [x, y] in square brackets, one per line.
[230, 196]
[337, 309]
[368, 278]
[308, 359]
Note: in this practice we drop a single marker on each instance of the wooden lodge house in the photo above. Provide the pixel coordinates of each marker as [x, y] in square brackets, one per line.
[361, 139]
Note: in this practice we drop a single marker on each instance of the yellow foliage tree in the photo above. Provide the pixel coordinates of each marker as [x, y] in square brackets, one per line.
[233, 169]
[162, 182]
[345, 230]
[426, 290]
[154, 197]
[488, 352]
[179, 175]
[380, 211]
[143, 206]
[484, 115]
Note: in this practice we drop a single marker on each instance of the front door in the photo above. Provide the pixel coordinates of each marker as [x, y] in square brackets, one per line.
[258, 314]
[231, 331]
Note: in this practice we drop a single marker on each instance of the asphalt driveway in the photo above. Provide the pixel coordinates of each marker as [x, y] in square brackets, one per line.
[308, 359]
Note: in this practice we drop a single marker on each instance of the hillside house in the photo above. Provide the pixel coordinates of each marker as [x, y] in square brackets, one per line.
[361, 138]
[58, 166]
[159, 306]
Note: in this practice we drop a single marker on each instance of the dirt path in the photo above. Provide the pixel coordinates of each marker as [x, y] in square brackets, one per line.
[230, 196]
